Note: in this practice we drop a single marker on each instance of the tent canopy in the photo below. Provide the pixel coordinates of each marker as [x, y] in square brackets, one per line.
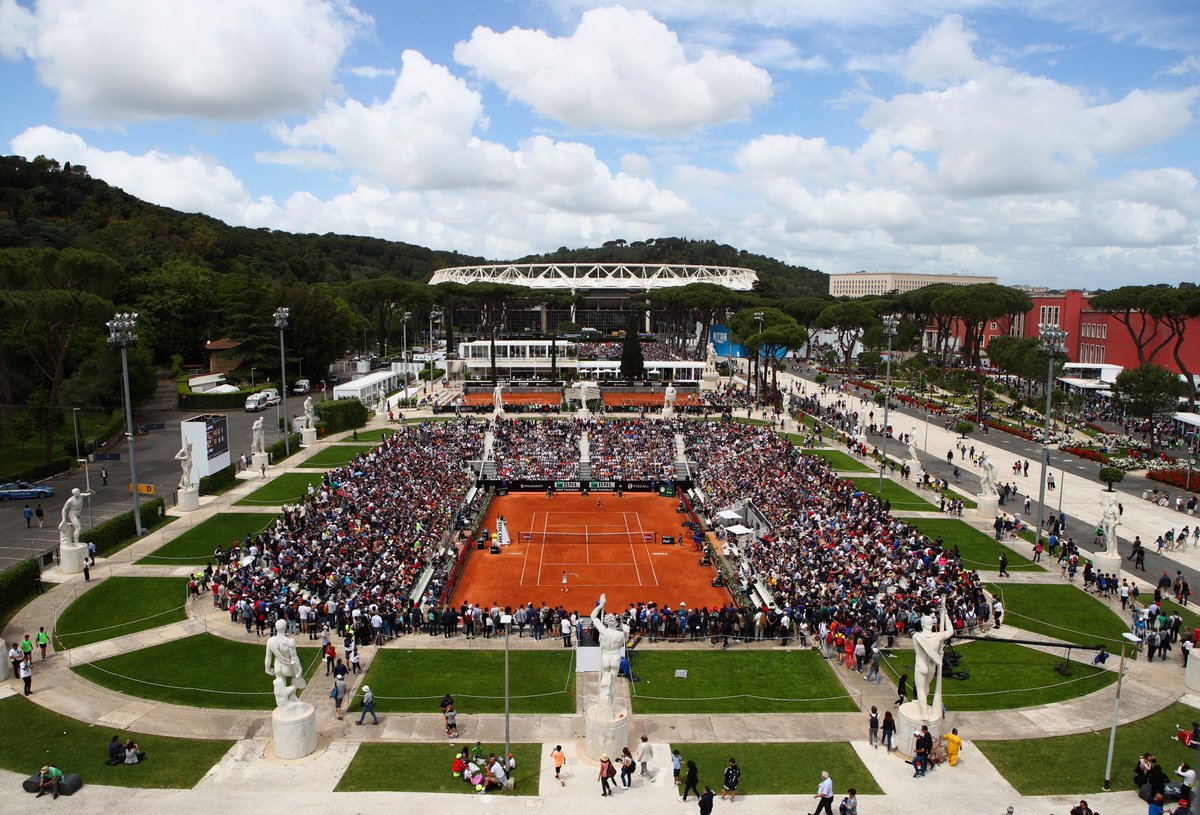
[729, 514]
[738, 529]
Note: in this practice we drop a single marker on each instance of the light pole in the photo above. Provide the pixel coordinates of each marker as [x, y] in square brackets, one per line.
[252, 370]
[404, 354]
[1112, 733]
[75, 417]
[1051, 341]
[435, 314]
[122, 332]
[506, 621]
[890, 321]
[758, 318]
[281, 322]
[87, 479]
[300, 370]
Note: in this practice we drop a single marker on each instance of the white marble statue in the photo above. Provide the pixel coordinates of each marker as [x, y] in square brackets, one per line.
[283, 663]
[184, 457]
[1109, 523]
[669, 398]
[258, 442]
[710, 359]
[612, 637]
[72, 523]
[928, 646]
[310, 414]
[498, 398]
[987, 478]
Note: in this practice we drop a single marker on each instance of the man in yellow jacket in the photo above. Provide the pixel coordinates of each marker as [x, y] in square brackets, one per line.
[953, 745]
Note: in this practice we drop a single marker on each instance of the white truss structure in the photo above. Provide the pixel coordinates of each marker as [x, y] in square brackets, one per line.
[578, 277]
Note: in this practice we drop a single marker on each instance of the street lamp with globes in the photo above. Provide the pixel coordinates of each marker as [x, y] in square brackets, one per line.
[281, 322]
[122, 332]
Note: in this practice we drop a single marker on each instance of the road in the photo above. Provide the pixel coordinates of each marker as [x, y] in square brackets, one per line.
[156, 465]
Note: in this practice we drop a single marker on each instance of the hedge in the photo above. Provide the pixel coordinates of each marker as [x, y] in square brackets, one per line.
[119, 530]
[18, 585]
[219, 481]
[106, 430]
[277, 452]
[34, 474]
[424, 374]
[342, 414]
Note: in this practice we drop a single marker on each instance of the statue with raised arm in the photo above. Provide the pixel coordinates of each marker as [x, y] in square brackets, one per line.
[928, 646]
[258, 443]
[669, 398]
[72, 524]
[987, 478]
[184, 457]
[912, 451]
[612, 638]
[283, 662]
[1109, 523]
[498, 398]
[310, 414]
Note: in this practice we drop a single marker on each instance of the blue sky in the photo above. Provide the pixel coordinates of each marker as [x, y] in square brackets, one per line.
[1050, 142]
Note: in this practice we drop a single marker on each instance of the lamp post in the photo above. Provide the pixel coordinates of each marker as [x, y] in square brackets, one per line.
[1112, 733]
[281, 322]
[890, 322]
[87, 479]
[1051, 341]
[758, 318]
[404, 354]
[252, 370]
[435, 314]
[506, 621]
[122, 332]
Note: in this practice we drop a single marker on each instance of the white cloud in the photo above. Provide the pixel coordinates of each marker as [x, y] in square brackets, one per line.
[115, 60]
[370, 71]
[636, 164]
[1185, 67]
[620, 70]
[944, 53]
[16, 29]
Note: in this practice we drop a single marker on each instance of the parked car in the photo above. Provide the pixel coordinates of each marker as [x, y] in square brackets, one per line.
[334, 379]
[262, 400]
[302, 386]
[18, 490]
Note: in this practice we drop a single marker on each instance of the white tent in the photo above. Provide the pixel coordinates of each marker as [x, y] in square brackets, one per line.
[730, 515]
[1192, 419]
[738, 529]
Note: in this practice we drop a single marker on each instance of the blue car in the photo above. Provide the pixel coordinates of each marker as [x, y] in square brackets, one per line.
[18, 490]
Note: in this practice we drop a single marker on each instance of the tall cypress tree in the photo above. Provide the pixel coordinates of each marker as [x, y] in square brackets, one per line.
[633, 365]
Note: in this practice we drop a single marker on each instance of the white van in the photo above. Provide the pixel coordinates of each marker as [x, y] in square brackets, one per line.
[262, 400]
[302, 386]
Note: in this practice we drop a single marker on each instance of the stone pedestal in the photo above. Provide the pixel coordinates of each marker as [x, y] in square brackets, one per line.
[188, 500]
[909, 721]
[606, 730]
[294, 730]
[70, 559]
[709, 381]
[1106, 564]
[987, 506]
[1191, 675]
[583, 413]
[308, 437]
[257, 460]
[668, 413]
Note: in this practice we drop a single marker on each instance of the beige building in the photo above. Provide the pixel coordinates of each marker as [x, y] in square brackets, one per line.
[861, 284]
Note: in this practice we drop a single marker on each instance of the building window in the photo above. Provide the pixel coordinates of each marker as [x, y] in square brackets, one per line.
[993, 325]
[1104, 331]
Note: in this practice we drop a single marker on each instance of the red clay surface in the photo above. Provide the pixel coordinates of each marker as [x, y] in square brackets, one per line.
[646, 399]
[535, 398]
[600, 550]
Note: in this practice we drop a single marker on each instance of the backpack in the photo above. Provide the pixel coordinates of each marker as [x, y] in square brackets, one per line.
[844, 806]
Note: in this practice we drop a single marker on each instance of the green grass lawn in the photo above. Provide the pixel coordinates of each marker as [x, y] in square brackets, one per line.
[1005, 675]
[968, 501]
[782, 769]
[474, 678]
[901, 498]
[979, 551]
[1074, 765]
[376, 435]
[839, 460]
[740, 675]
[200, 671]
[1060, 612]
[120, 606]
[426, 768]
[1190, 618]
[336, 455]
[79, 747]
[288, 488]
[197, 544]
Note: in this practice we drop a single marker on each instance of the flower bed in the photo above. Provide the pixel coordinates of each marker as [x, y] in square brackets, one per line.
[1016, 431]
[1089, 453]
[1176, 478]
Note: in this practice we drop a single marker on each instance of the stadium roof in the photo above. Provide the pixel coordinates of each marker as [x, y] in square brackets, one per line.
[599, 276]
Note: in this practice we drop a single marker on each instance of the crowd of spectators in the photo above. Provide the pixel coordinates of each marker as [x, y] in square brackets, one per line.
[536, 450]
[651, 351]
[637, 449]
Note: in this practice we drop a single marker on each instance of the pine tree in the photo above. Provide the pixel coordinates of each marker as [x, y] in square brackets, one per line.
[633, 365]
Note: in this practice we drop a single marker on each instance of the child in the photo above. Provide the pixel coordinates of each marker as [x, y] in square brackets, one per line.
[676, 765]
[451, 723]
[559, 760]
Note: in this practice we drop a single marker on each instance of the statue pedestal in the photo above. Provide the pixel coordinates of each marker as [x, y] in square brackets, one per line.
[308, 437]
[295, 730]
[709, 381]
[987, 506]
[1191, 674]
[188, 500]
[607, 730]
[668, 413]
[70, 559]
[583, 413]
[1108, 564]
[909, 721]
[257, 460]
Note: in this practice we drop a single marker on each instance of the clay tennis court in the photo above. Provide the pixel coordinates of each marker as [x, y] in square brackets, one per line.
[533, 398]
[646, 399]
[603, 550]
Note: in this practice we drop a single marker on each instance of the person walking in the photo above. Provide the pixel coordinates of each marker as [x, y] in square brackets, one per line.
[901, 691]
[1003, 565]
[104, 475]
[824, 795]
[889, 729]
[368, 706]
[559, 759]
[43, 641]
[873, 667]
[628, 765]
[645, 754]
[733, 775]
[873, 728]
[690, 780]
[338, 695]
[953, 745]
[28, 513]
[40, 514]
[706, 801]
[607, 772]
[27, 675]
[676, 765]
